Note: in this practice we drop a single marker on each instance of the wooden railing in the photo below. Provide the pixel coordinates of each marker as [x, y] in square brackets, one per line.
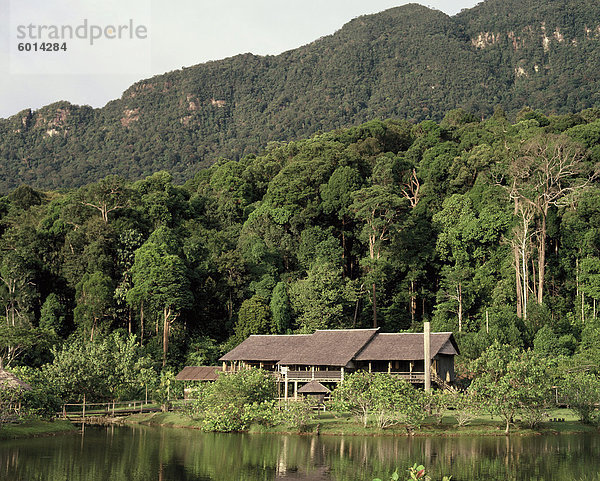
[121, 408]
[314, 375]
[413, 377]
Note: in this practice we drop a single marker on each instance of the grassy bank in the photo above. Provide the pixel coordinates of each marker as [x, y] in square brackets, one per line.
[164, 419]
[36, 428]
[330, 424]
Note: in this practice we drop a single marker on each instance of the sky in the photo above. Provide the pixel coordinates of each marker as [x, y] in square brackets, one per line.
[141, 38]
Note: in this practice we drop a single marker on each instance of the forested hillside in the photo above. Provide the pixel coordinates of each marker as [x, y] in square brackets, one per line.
[486, 228]
[408, 63]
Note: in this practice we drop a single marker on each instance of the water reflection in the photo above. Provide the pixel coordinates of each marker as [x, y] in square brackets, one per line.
[141, 453]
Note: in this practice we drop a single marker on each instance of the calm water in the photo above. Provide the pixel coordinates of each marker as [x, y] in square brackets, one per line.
[143, 454]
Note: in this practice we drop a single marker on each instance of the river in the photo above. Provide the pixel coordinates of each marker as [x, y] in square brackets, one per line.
[140, 453]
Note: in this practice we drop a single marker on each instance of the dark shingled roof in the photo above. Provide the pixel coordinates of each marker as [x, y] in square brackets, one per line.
[407, 347]
[313, 387]
[10, 381]
[340, 347]
[199, 373]
[266, 348]
[328, 348]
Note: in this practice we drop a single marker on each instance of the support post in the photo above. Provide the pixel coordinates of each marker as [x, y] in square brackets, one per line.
[369, 366]
[84, 408]
[389, 367]
[342, 374]
[296, 390]
[427, 355]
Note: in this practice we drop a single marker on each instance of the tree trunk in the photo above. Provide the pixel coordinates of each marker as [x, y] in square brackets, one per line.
[93, 327]
[142, 323]
[344, 262]
[356, 312]
[374, 306]
[413, 302]
[533, 281]
[460, 307]
[230, 306]
[542, 259]
[524, 273]
[166, 314]
[518, 282]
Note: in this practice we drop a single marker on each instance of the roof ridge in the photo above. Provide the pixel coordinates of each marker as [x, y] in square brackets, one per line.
[346, 330]
[418, 333]
[364, 346]
[277, 335]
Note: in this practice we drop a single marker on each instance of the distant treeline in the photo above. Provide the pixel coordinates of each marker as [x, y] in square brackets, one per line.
[409, 62]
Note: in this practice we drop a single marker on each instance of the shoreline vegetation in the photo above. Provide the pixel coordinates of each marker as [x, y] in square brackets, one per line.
[36, 428]
[329, 424]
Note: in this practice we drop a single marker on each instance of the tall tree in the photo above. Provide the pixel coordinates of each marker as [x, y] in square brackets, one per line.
[280, 308]
[17, 290]
[337, 199]
[106, 196]
[378, 208]
[160, 281]
[94, 298]
[547, 171]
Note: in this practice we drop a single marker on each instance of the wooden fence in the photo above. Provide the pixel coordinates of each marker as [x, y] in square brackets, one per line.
[114, 408]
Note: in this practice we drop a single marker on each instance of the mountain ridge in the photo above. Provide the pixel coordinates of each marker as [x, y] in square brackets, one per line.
[408, 62]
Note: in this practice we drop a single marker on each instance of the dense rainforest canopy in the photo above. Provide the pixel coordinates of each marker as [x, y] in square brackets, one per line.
[409, 62]
[485, 228]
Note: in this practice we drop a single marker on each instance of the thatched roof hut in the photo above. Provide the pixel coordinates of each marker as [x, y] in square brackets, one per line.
[10, 381]
[314, 387]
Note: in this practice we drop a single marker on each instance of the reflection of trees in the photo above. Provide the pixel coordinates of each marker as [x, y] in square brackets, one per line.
[123, 454]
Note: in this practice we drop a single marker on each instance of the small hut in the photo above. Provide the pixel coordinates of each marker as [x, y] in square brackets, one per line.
[10, 381]
[315, 390]
[11, 389]
[197, 374]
